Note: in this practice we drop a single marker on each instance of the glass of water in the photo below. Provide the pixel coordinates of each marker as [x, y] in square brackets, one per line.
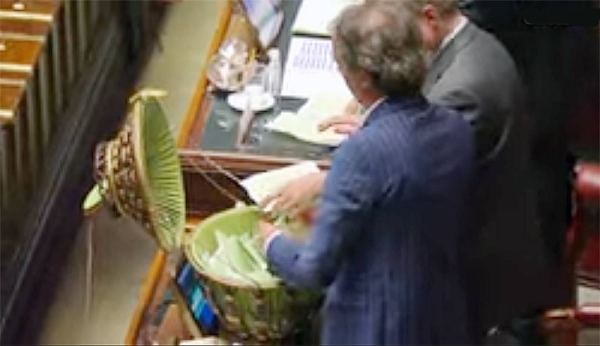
[255, 86]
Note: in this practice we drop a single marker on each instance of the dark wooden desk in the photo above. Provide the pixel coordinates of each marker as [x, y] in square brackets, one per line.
[205, 139]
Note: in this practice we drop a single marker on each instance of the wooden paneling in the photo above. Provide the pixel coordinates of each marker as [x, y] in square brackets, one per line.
[69, 20]
[47, 7]
[18, 26]
[66, 105]
[20, 52]
[82, 17]
[7, 174]
[9, 99]
[21, 160]
[47, 102]
[14, 75]
[34, 131]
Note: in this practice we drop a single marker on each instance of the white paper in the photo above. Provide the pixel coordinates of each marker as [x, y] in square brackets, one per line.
[261, 185]
[293, 125]
[311, 70]
[315, 16]
[304, 125]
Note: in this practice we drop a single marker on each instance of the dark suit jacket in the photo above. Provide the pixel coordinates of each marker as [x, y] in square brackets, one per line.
[508, 271]
[559, 67]
[385, 243]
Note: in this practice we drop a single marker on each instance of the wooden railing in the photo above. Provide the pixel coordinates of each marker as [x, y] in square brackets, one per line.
[42, 46]
[66, 69]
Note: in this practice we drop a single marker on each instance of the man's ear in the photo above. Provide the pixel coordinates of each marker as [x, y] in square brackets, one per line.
[430, 14]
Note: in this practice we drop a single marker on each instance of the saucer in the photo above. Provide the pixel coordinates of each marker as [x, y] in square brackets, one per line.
[261, 103]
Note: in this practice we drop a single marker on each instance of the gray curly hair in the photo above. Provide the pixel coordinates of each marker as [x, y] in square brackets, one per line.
[383, 39]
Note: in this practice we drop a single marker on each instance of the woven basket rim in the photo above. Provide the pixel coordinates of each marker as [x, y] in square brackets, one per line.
[138, 156]
[136, 123]
[189, 247]
[138, 126]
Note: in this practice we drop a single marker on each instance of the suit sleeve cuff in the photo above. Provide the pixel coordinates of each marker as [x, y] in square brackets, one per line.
[270, 239]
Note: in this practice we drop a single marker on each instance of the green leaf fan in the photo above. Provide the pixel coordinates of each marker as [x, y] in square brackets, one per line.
[139, 173]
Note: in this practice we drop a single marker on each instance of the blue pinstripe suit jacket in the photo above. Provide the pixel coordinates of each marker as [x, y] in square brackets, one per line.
[385, 242]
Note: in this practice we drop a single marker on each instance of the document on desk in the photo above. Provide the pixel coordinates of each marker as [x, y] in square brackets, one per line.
[315, 16]
[311, 69]
[304, 125]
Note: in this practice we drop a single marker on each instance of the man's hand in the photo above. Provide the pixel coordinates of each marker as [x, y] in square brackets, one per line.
[343, 124]
[297, 196]
[347, 123]
[266, 232]
[265, 229]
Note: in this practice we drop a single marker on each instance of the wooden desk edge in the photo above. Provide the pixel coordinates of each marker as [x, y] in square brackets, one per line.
[150, 284]
[200, 92]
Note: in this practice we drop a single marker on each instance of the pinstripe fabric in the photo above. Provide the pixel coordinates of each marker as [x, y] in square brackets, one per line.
[385, 242]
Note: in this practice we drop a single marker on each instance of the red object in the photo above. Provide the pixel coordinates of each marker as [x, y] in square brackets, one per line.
[582, 261]
[587, 184]
[588, 314]
[583, 240]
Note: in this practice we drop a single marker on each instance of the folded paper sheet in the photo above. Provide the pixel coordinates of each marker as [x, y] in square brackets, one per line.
[261, 185]
[304, 125]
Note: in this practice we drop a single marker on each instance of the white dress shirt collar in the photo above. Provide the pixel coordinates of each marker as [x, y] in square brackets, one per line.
[372, 107]
[462, 22]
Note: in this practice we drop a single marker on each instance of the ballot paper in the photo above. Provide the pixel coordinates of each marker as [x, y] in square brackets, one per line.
[315, 16]
[261, 185]
[311, 70]
[304, 125]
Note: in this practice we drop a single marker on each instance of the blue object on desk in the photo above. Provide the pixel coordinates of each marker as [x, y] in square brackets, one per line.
[191, 287]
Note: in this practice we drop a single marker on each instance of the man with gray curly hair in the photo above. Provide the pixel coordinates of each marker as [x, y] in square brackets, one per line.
[386, 46]
[385, 240]
[508, 275]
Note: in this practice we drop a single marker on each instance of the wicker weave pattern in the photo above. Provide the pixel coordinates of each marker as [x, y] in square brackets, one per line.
[250, 314]
[255, 315]
[118, 179]
[139, 174]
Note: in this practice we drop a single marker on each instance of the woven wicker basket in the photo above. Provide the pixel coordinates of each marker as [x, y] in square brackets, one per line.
[249, 314]
[139, 174]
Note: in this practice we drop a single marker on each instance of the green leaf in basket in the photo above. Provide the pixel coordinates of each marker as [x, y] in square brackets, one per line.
[258, 258]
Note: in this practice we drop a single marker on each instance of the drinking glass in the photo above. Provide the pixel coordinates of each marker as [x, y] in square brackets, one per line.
[255, 86]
